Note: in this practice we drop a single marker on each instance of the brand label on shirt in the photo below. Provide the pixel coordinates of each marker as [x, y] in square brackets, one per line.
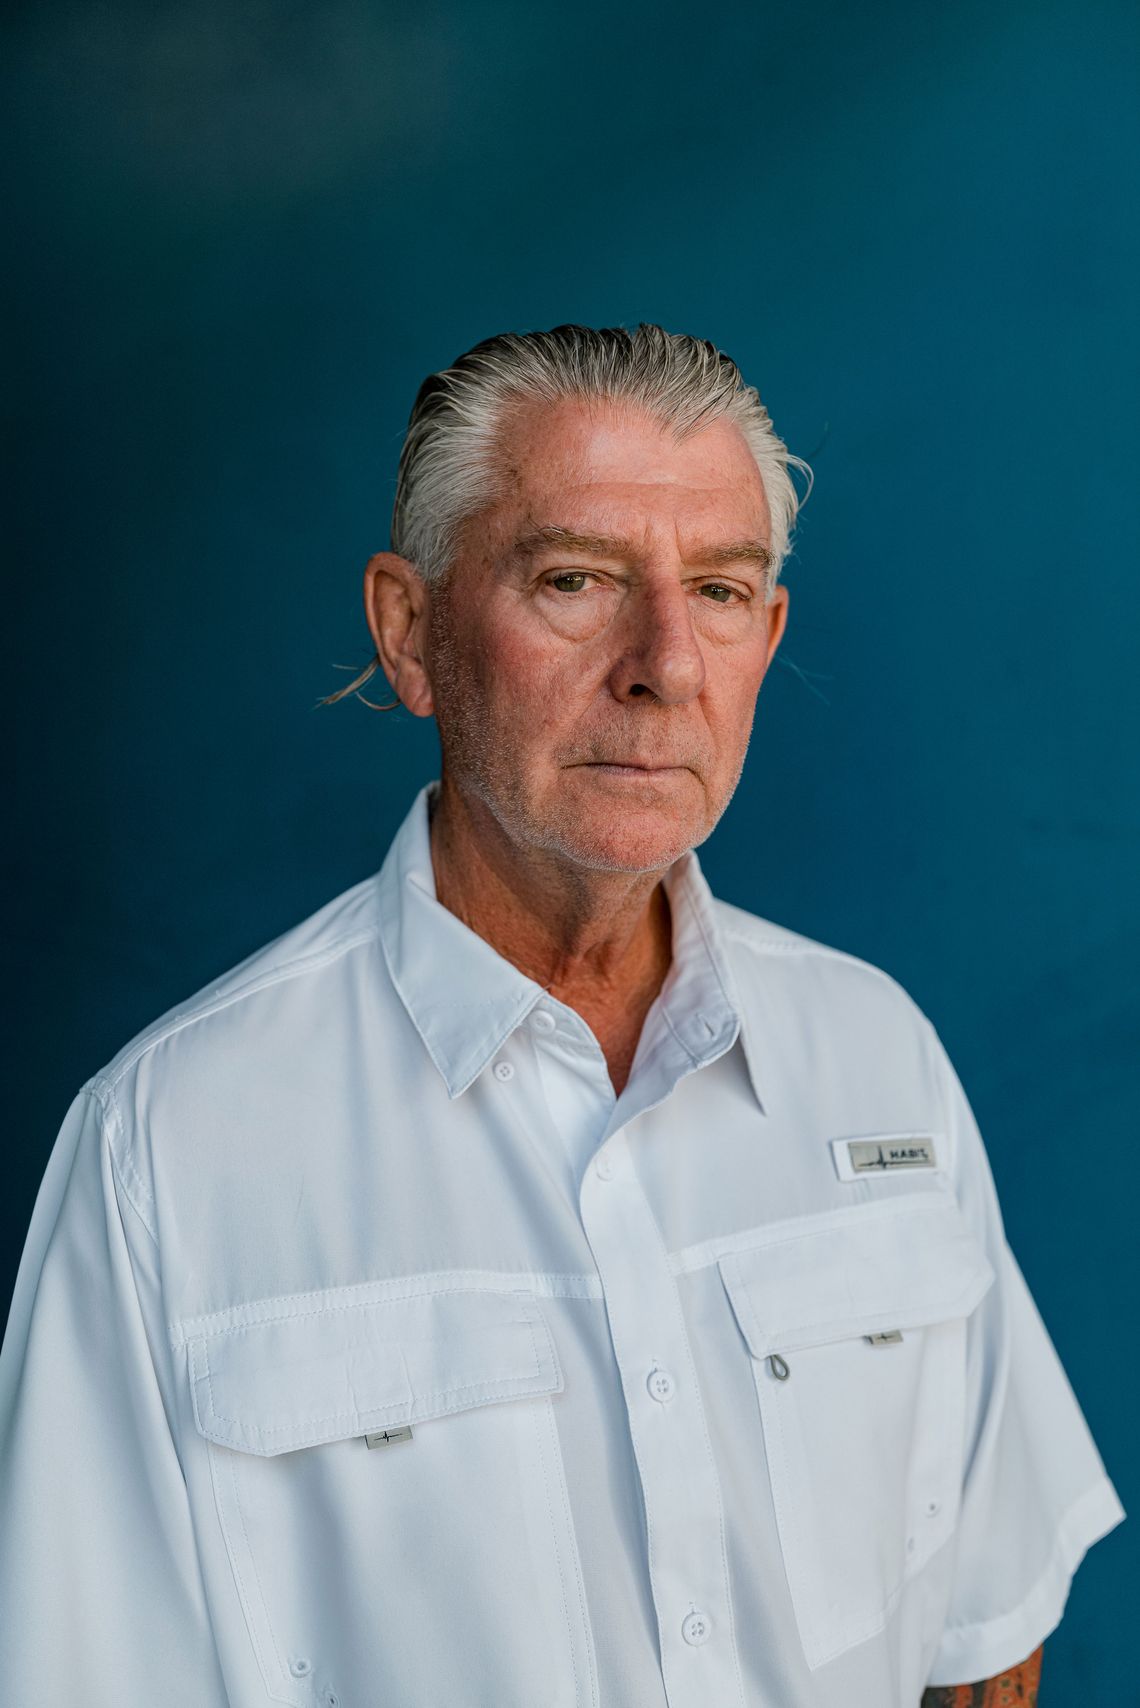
[881, 1152]
[387, 1437]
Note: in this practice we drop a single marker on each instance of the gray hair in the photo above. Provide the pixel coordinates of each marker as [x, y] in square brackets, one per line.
[448, 469]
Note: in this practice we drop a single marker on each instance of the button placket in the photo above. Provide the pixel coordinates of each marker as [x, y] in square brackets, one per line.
[679, 1481]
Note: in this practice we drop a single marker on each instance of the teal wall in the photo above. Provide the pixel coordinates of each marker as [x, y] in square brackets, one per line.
[244, 232]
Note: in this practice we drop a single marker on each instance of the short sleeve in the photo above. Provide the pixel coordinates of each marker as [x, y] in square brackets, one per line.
[1035, 1495]
[101, 1597]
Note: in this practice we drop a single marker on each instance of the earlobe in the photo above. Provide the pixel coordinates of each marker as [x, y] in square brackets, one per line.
[394, 603]
[412, 686]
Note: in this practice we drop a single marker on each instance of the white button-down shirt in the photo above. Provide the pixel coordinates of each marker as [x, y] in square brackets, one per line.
[366, 1352]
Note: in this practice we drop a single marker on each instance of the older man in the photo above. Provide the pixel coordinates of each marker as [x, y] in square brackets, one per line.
[529, 1280]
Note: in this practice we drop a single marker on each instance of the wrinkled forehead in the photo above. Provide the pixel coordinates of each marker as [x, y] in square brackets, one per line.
[600, 467]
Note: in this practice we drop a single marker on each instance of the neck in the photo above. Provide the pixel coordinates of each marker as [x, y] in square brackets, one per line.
[600, 942]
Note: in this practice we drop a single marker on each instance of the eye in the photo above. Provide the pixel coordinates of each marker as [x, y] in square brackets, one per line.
[569, 575]
[718, 591]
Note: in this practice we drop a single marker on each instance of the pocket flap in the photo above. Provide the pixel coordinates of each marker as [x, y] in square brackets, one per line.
[899, 1263]
[324, 1367]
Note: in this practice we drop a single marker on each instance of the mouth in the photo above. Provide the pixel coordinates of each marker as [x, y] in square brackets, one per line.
[630, 768]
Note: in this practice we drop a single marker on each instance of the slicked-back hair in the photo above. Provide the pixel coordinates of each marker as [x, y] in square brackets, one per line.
[448, 469]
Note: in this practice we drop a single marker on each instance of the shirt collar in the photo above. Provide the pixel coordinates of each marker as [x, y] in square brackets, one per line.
[465, 999]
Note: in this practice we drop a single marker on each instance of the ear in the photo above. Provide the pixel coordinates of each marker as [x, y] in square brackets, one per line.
[395, 603]
[777, 612]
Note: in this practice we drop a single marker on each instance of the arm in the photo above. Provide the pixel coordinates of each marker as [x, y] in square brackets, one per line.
[101, 1599]
[1013, 1688]
[1035, 1495]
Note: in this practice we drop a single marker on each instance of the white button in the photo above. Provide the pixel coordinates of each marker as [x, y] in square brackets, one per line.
[542, 1020]
[300, 1668]
[933, 1507]
[604, 1166]
[503, 1071]
[696, 1629]
[661, 1385]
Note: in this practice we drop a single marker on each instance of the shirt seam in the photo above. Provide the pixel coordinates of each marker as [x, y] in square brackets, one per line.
[356, 1305]
[771, 946]
[1056, 1567]
[723, 977]
[694, 1060]
[296, 968]
[706, 1254]
[140, 1199]
[423, 1284]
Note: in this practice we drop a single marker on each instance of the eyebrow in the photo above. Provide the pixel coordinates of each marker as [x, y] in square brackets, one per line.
[612, 545]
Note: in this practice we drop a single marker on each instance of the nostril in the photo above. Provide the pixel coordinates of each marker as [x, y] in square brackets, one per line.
[638, 688]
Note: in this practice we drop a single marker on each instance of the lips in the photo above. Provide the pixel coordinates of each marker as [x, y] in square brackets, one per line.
[631, 765]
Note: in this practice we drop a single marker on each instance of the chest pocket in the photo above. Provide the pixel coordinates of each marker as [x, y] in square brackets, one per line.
[864, 1439]
[440, 1568]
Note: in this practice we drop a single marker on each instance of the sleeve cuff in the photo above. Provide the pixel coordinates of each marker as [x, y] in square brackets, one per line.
[968, 1654]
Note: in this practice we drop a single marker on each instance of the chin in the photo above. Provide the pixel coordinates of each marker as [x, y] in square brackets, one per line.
[635, 842]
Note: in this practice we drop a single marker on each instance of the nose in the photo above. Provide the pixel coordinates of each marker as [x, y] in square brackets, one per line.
[661, 655]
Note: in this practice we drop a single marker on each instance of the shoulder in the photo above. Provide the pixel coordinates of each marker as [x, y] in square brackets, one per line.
[245, 1027]
[760, 949]
[828, 1010]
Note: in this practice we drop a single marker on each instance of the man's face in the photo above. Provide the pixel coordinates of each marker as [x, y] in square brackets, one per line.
[597, 650]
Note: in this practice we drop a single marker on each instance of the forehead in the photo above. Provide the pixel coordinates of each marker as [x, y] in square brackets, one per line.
[584, 465]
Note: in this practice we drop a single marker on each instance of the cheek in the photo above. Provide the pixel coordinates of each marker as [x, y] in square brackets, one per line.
[730, 702]
[535, 687]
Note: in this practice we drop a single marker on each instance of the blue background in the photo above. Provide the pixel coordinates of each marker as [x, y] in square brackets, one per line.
[243, 234]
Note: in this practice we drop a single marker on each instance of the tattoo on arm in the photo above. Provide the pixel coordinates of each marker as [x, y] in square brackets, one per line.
[1016, 1688]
